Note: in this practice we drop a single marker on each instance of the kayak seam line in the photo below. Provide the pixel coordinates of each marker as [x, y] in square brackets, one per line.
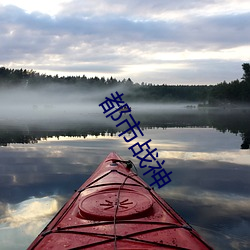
[99, 178]
[109, 184]
[121, 236]
[117, 205]
[140, 183]
[120, 222]
[166, 208]
[192, 231]
[53, 226]
[114, 170]
[44, 233]
[128, 237]
[81, 190]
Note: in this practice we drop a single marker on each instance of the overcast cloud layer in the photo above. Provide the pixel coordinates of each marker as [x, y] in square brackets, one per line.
[160, 41]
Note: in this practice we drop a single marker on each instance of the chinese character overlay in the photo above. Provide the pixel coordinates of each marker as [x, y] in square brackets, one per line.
[114, 104]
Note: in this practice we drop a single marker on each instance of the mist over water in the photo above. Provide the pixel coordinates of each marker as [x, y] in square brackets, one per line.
[58, 107]
[201, 147]
[57, 103]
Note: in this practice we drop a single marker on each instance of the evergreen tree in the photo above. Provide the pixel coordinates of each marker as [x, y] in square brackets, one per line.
[246, 69]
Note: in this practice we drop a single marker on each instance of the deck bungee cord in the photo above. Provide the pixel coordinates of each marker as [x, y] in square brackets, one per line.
[116, 209]
[129, 164]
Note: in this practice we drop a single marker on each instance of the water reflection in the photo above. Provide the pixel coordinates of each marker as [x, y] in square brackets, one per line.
[210, 180]
[235, 121]
[20, 222]
[29, 210]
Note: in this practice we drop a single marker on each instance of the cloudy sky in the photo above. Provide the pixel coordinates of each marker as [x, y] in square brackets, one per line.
[157, 41]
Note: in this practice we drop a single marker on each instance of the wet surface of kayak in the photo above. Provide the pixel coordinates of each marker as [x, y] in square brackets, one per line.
[116, 209]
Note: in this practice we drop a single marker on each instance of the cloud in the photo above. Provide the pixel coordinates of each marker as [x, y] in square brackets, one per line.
[233, 204]
[147, 9]
[116, 30]
[113, 38]
[26, 220]
[29, 210]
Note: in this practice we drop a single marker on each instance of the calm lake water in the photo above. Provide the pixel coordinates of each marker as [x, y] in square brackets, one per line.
[44, 157]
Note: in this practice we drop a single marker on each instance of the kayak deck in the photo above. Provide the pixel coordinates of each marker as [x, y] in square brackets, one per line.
[115, 209]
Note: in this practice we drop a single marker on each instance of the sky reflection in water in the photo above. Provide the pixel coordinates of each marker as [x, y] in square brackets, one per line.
[209, 185]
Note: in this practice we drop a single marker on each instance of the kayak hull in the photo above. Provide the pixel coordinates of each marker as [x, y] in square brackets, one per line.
[116, 209]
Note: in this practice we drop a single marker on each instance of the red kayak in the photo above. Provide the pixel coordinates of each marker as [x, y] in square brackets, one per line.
[116, 209]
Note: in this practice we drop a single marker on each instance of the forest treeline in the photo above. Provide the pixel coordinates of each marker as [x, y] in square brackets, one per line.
[233, 121]
[236, 91]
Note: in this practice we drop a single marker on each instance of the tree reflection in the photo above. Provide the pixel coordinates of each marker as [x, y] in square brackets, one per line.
[231, 121]
[246, 141]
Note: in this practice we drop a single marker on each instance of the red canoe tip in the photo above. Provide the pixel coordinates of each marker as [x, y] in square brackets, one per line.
[115, 207]
[112, 155]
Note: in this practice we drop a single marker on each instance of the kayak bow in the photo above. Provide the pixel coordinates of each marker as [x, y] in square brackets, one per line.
[115, 209]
